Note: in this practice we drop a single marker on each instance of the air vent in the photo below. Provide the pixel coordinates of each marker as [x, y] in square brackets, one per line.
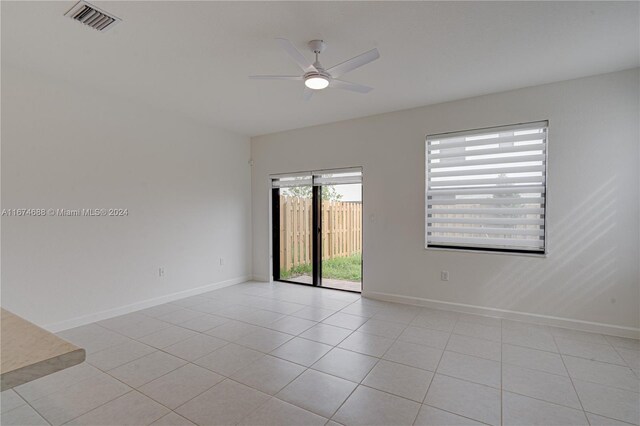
[91, 16]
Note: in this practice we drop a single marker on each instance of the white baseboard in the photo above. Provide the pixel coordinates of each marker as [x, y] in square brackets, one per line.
[594, 327]
[260, 278]
[110, 313]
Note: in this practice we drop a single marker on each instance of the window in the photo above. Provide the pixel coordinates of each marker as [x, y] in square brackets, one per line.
[486, 189]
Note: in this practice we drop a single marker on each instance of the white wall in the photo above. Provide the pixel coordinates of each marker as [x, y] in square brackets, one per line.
[186, 186]
[591, 272]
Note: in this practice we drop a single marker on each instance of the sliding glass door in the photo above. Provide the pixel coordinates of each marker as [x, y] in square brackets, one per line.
[317, 228]
[341, 224]
[293, 228]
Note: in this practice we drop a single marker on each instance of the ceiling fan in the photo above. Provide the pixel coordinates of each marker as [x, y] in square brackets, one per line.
[315, 76]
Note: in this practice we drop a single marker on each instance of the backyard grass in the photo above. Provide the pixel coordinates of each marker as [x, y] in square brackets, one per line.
[339, 268]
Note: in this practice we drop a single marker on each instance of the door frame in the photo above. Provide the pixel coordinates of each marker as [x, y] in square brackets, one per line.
[316, 237]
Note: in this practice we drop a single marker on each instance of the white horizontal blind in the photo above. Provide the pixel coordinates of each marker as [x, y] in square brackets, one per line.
[486, 189]
[317, 178]
[337, 177]
[292, 180]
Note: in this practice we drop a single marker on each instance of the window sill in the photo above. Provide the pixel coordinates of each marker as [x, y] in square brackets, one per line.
[503, 253]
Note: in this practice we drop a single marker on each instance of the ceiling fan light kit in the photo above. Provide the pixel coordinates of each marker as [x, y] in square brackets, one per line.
[315, 77]
[316, 82]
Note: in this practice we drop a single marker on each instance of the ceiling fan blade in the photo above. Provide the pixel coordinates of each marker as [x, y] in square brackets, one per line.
[346, 85]
[295, 54]
[306, 95]
[275, 77]
[353, 63]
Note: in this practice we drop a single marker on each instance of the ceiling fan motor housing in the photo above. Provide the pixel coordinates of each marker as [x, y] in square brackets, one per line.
[317, 46]
[319, 73]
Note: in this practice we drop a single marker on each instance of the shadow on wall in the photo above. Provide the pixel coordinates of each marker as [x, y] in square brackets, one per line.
[584, 230]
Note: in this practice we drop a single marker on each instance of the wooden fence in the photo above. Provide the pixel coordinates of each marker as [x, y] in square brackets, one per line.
[341, 230]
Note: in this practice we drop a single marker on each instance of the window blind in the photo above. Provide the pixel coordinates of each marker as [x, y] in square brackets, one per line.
[317, 178]
[337, 177]
[486, 189]
[292, 180]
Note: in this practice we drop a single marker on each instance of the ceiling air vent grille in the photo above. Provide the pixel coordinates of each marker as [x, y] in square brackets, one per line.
[91, 16]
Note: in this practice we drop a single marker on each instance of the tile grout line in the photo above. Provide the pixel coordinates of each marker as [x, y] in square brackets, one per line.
[126, 393]
[307, 368]
[568, 375]
[231, 379]
[380, 359]
[438, 364]
[621, 357]
[609, 418]
[267, 401]
[258, 390]
[361, 380]
[457, 378]
[137, 389]
[76, 383]
[571, 380]
[545, 401]
[561, 353]
[456, 414]
[32, 407]
[374, 365]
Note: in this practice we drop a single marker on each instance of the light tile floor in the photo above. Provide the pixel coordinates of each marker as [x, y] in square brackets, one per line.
[262, 354]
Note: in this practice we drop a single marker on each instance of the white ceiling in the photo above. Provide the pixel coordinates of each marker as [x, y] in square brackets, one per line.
[193, 58]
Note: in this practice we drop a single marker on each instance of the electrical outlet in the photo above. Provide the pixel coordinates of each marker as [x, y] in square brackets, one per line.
[222, 261]
[444, 276]
[161, 272]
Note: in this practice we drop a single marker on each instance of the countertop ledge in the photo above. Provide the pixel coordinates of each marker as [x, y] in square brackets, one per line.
[29, 352]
